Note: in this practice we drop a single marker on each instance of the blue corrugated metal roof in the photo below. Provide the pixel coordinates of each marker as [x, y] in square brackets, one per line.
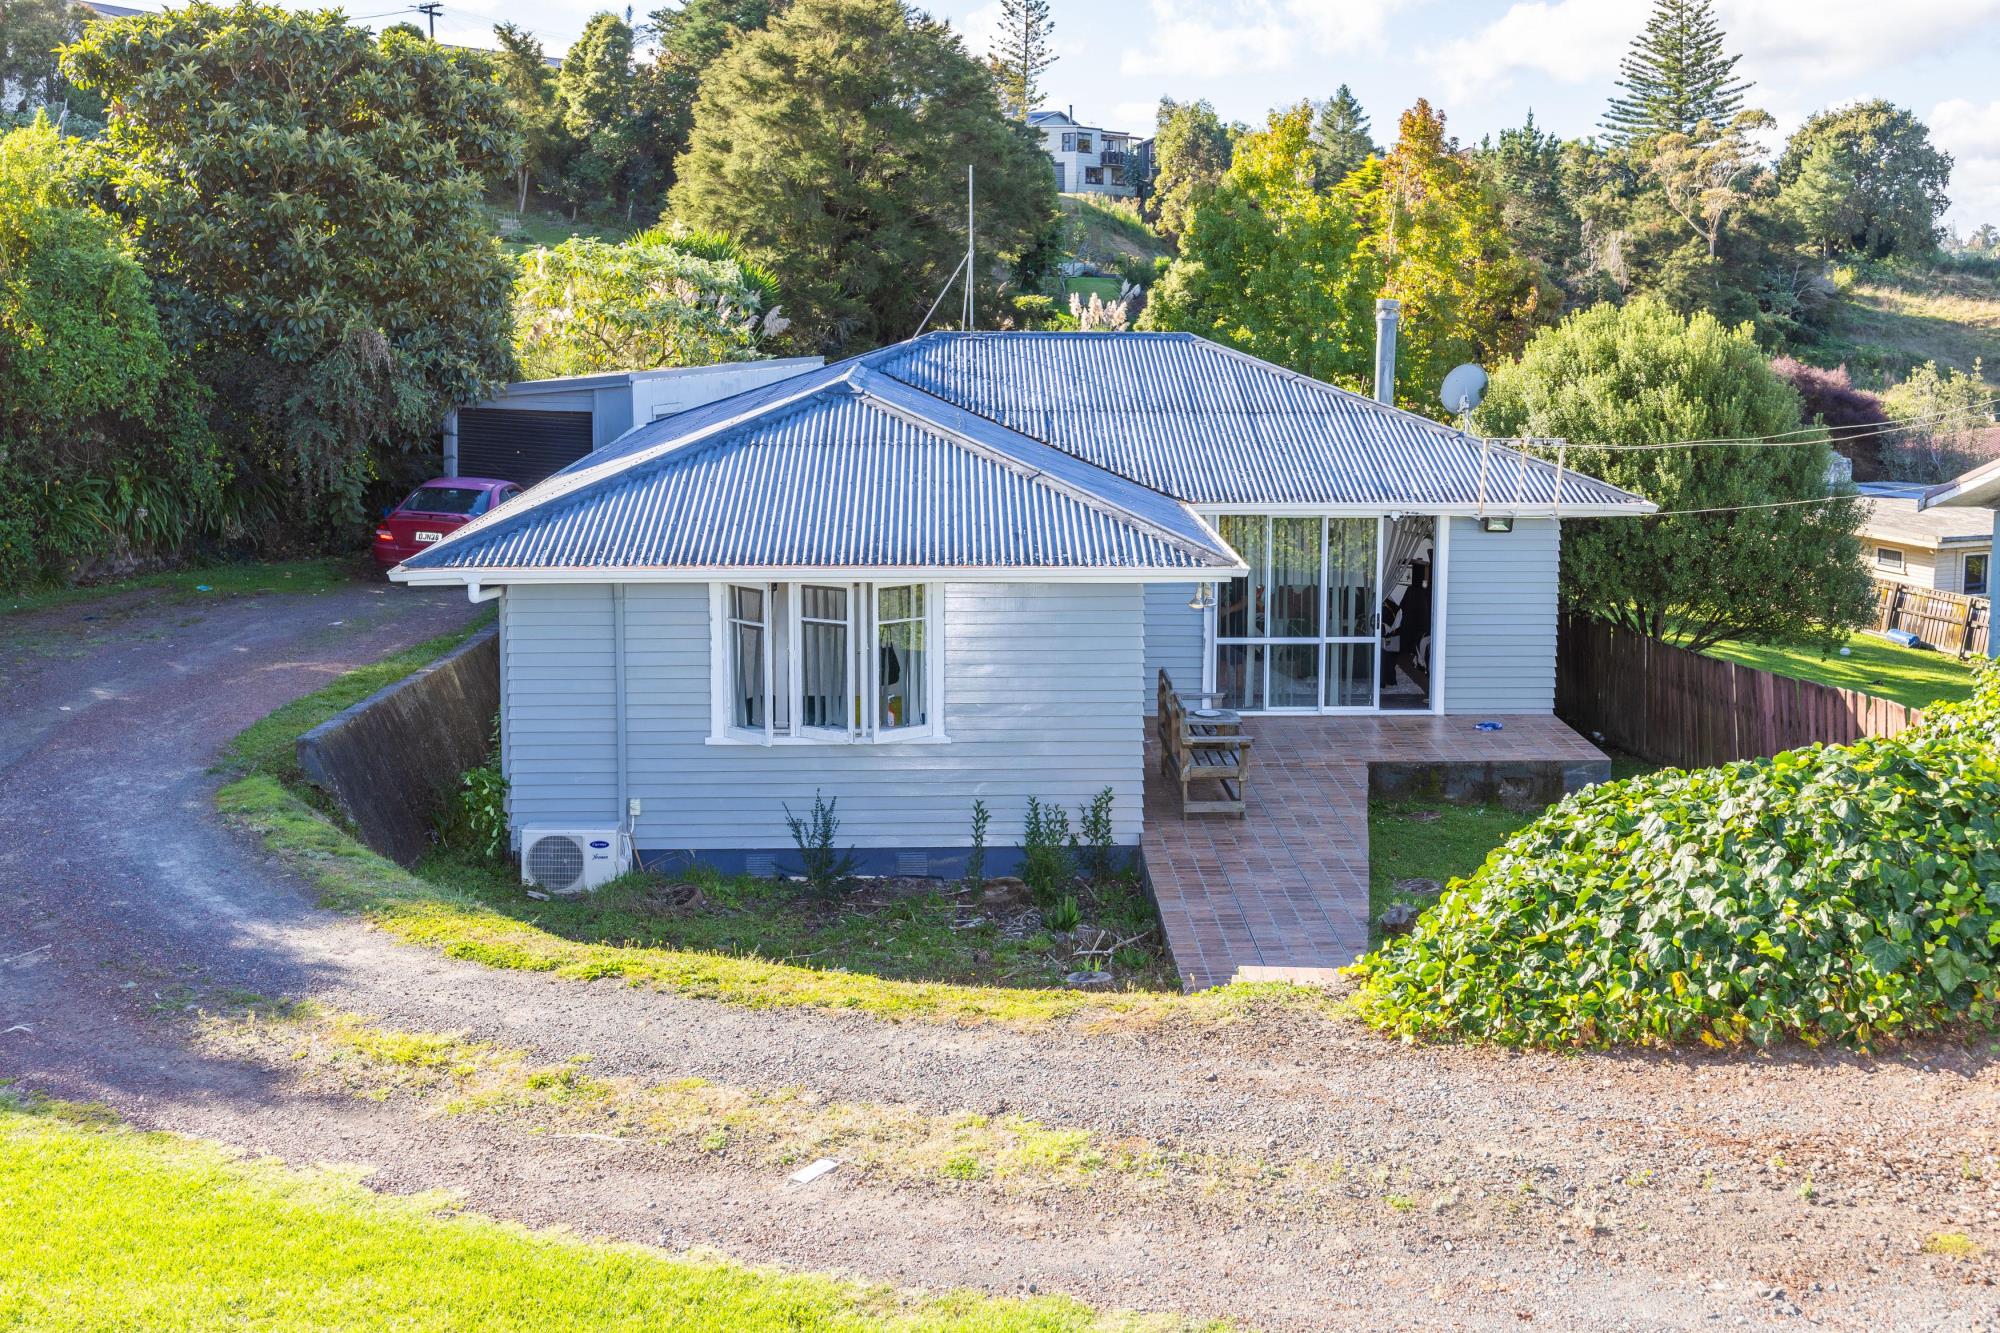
[1210, 426]
[846, 470]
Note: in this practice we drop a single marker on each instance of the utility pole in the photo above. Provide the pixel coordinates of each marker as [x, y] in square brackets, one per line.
[431, 9]
[969, 216]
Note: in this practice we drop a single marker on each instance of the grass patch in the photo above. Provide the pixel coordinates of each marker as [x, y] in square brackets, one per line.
[540, 227]
[202, 583]
[776, 1130]
[1951, 1245]
[1896, 318]
[104, 1227]
[1913, 676]
[1104, 288]
[922, 930]
[1428, 840]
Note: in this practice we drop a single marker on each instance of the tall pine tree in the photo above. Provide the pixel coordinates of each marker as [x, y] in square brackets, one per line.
[1675, 76]
[1022, 53]
[1340, 137]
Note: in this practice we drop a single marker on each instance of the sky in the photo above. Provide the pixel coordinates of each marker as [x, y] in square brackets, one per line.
[1485, 65]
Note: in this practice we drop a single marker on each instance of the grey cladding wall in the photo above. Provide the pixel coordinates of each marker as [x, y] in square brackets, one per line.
[1044, 697]
[1500, 618]
[1174, 638]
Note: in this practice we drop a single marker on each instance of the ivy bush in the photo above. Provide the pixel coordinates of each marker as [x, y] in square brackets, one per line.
[1832, 893]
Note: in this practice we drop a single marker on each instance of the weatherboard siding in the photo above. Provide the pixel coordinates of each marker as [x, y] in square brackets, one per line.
[1043, 697]
[1500, 618]
[1174, 639]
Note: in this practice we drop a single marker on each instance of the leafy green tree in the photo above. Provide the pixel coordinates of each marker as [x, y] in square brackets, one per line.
[1023, 53]
[1341, 137]
[1643, 374]
[304, 200]
[1865, 179]
[30, 33]
[834, 143]
[523, 70]
[659, 299]
[1191, 151]
[1536, 177]
[103, 446]
[1272, 265]
[595, 92]
[689, 39]
[1950, 413]
[1675, 76]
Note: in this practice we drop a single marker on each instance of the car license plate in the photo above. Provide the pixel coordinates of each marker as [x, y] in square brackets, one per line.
[430, 536]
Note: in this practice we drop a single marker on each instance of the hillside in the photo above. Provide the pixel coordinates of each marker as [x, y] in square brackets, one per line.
[1108, 235]
[1893, 320]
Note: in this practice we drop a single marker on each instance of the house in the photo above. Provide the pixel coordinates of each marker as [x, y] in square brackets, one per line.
[951, 569]
[1945, 549]
[1977, 495]
[535, 428]
[1088, 159]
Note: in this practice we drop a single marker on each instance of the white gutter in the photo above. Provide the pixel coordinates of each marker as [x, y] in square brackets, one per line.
[475, 579]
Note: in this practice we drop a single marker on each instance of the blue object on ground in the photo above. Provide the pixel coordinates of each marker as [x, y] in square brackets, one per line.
[1902, 636]
[203, 587]
[1488, 726]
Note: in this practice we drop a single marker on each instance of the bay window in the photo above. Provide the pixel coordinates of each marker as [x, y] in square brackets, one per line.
[826, 662]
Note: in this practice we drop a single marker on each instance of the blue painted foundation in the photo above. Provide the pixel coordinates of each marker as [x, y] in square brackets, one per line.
[936, 862]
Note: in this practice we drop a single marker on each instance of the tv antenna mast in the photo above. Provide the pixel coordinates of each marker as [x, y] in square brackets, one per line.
[970, 286]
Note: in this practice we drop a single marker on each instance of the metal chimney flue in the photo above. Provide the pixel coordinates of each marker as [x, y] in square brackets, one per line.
[1388, 314]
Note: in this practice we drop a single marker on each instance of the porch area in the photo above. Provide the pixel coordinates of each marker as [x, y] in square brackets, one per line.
[1281, 894]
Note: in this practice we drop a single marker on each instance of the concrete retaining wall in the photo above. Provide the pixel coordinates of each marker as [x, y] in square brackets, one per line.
[390, 760]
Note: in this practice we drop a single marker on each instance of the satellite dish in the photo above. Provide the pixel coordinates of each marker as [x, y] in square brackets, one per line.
[1463, 389]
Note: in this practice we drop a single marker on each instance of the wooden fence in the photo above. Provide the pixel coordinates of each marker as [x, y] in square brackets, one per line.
[1672, 706]
[1947, 621]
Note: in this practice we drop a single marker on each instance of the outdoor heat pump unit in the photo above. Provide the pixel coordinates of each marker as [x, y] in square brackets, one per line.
[572, 861]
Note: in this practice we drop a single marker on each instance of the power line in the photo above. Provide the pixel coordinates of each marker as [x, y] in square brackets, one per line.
[1783, 439]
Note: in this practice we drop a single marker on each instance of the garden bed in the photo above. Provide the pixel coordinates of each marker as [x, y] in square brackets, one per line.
[903, 929]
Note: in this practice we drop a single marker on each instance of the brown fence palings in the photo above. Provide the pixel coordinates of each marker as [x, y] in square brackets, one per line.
[1671, 706]
[1948, 621]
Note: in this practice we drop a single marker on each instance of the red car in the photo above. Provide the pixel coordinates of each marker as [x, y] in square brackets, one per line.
[434, 509]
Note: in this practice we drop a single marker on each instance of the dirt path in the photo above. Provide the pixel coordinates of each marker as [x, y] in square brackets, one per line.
[1480, 1190]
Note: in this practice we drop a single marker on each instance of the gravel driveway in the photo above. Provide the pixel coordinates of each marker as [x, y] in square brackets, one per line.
[1488, 1190]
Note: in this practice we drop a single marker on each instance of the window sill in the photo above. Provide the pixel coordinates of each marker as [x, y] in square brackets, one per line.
[824, 742]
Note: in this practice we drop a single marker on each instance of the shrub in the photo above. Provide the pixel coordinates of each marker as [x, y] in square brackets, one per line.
[975, 861]
[1048, 865]
[1853, 415]
[473, 819]
[827, 870]
[1095, 847]
[1064, 915]
[1846, 893]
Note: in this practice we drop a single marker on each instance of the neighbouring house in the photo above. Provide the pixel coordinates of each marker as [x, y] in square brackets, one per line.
[1087, 158]
[1975, 494]
[951, 569]
[535, 428]
[1943, 549]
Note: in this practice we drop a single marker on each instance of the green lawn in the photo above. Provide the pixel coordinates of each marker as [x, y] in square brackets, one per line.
[102, 1227]
[1107, 288]
[539, 226]
[1913, 676]
[192, 585]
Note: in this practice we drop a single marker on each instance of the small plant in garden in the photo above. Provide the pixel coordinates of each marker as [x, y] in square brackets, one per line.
[1828, 893]
[827, 869]
[1048, 865]
[1064, 915]
[1094, 845]
[975, 863]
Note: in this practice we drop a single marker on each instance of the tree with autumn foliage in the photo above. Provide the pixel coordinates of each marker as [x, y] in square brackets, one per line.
[1438, 236]
[1283, 269]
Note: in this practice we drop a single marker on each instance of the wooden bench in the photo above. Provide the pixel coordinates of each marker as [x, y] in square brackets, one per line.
[1195, 751]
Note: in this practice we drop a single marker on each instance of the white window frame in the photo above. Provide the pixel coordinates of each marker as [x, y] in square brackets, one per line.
[1896, 561]
[864, 643]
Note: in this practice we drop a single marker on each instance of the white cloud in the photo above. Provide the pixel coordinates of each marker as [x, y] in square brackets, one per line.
[1208, 39]
[1970, 132]
[1818, 39]
[1784, 43]
[1570, 41]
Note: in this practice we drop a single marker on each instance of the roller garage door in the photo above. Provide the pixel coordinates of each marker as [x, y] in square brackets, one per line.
[519, 446]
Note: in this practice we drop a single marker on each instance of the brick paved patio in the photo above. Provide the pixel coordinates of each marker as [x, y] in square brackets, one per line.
[1282, 893]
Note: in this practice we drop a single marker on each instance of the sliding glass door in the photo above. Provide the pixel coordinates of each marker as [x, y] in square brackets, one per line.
[1300, 632]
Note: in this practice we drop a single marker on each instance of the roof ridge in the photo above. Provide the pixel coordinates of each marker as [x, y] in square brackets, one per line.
[1032, 472]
